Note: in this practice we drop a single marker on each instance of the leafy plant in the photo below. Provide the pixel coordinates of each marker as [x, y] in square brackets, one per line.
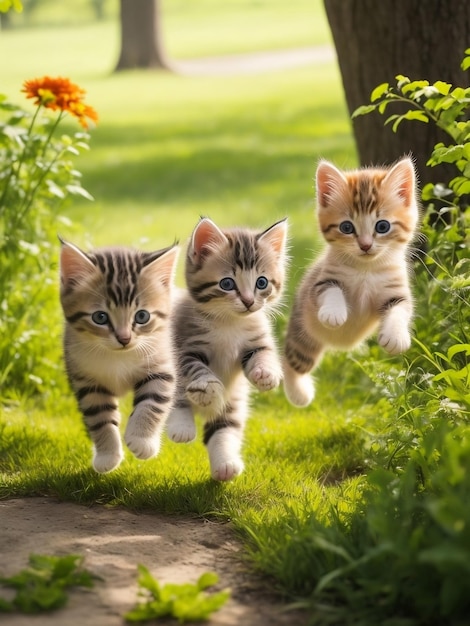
[439, 103]
[43, 585]
[186, 602]
[36, 177]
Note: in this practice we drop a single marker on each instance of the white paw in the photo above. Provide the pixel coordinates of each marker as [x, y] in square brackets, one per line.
[394, 341]
[107, 461]
[206, 392]
[227, 470]
[333, 316]
[142, 445]
[299, 388]
[264, 379]
[180, 426]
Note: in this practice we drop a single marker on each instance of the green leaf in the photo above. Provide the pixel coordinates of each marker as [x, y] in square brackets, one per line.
[41, 586]
[209, 579]
[379, 91]
[442, 87]
[420, 116]
[363, 110]
[186, 602]
[401, 80]
[147, 581]
[465, 63]
[415, 85]
[78, 190]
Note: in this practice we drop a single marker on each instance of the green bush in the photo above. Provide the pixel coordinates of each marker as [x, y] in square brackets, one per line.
[36, 178]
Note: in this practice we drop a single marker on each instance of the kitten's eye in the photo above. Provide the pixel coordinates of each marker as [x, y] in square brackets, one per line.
[227, 284]
[142, 317]
[100, 318]
[347, 228]
[382, 227]
[262, 282]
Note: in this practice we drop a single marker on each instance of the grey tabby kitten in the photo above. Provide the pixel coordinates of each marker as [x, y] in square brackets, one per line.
[223, 335]
[368, 218]
[116, 303]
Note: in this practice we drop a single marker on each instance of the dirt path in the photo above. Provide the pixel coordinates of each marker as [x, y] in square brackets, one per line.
[254, 63]
[113, 541]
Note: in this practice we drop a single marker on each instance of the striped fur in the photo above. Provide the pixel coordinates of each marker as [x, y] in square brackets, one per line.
[223, 335]
[368, 218]
[117, 303]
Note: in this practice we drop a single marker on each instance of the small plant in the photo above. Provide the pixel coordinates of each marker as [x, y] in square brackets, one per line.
[43, 585]
[36, 177]
[442, 104]
[186, 602]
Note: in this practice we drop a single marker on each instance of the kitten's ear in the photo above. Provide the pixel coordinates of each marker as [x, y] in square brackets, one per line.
[205, 239]
[329, 178]
[74, 264]
[402, 179]
[162, 264]
[276, 236]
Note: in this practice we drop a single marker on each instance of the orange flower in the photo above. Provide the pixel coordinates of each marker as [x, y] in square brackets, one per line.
[60, 94]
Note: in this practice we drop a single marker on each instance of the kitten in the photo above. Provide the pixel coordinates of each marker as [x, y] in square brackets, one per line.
[223, 335]
[368, 218]
[116, 303]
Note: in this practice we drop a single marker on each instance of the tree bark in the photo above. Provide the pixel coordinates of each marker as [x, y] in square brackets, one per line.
[141, 36]
[377, 39]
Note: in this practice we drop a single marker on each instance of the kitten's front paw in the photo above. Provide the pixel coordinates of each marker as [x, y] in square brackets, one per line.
[104, 462]
[142, 444]
[394, 341]
[227, 470]
[264, 379]
[333, 316]
[206, 393]
[180, 426]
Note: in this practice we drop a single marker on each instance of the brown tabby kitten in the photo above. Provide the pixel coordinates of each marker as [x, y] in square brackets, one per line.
[116, 303]
[223, 335]
[368, 218]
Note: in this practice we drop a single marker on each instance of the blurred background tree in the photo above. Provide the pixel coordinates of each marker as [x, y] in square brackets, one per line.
[141, 35]
[375, 41]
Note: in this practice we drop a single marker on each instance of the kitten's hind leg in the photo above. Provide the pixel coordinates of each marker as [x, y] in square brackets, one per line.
[223, 437]
[180, 426]
[153, 397]
[102, 418]
[299, 360]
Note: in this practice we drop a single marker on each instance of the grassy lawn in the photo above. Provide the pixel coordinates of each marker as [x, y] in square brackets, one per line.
[241, 150]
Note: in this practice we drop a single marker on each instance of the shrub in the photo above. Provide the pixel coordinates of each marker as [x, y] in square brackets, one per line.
[36, 178]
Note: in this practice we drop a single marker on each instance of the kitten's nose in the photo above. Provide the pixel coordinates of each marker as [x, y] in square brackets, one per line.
[248, 301]
[365, 243]
[123, 339]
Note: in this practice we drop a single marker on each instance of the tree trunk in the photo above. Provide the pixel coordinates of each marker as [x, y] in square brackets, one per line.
[377, 39]
[141, 36]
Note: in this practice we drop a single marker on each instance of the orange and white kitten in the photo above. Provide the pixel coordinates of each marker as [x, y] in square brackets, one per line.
[368, 218]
